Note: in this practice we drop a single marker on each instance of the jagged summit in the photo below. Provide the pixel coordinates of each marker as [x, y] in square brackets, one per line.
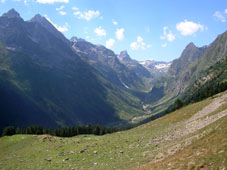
[190, 45]
[124, 56]
[47, 24]
[75, 39]
[12, 13]
[42, 20]
[38, 18]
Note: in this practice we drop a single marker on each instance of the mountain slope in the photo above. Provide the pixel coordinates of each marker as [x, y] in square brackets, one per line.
[41, 71]
[107, 63]
[190, 54]
[193, 62]
[133, 65]
[192, 137]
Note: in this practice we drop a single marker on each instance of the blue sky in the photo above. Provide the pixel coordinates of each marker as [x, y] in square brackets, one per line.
[147, 29]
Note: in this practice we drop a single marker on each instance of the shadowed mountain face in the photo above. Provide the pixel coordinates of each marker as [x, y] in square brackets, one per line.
[44, 82]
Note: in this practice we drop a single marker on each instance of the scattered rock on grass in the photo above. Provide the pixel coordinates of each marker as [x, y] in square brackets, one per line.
[47, 159]
[61, 154]
[66, 159]
[82, 151]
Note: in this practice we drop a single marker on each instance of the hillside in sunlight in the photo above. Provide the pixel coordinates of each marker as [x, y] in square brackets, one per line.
[193, 137]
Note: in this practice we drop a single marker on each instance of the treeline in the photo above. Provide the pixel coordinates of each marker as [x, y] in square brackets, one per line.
[208, 91]
[61, 132]
[202, 91]
[198, 95]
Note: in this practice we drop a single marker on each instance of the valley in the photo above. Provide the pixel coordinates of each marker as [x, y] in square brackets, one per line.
[95, 108]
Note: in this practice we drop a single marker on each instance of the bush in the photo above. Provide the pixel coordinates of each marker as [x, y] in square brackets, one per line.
[9, 131]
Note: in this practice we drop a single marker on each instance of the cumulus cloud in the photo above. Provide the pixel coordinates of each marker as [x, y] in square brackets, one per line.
[189, 27]
[139, 39]
[134, 46]
[63, 28]
[139, 44]
[75, 8]
[51, 1]
[221, 16]
[2, 1]
[90, 14]
[60, 8]
[120, 34]
[167, 34]
[110, 43]
[99, 31]
[114, 22]
[62, 13]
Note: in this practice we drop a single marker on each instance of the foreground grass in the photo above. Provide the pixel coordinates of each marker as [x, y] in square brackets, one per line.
[142, 147]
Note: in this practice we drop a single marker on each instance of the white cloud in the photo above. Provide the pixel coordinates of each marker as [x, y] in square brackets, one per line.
[170, 37]
[167, 34]
[114, 22]
[134, 46]
[2, 1]
[120, 34]
[75, 8]
[63, 28]
[164, 45]
[139, 44]
[51, 1]
[60, 8]
[26, 2]
[99, 31]
[139, 39]
[189, 27]
[90, 14]
[221, 16]
[110, 43]
[62, 12]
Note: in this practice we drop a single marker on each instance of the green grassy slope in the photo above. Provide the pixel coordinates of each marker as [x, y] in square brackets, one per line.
[192, 137]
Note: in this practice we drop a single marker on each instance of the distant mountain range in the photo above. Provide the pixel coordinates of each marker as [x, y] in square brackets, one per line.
[48, 80]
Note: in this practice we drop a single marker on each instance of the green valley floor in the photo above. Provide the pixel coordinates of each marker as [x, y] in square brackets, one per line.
[194, 137]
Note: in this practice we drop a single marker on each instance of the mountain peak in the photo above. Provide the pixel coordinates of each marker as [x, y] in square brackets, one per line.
[40, 19]
[12, 13]
[191, 45]
[47, 24]
[124, 56]
[75, 39]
